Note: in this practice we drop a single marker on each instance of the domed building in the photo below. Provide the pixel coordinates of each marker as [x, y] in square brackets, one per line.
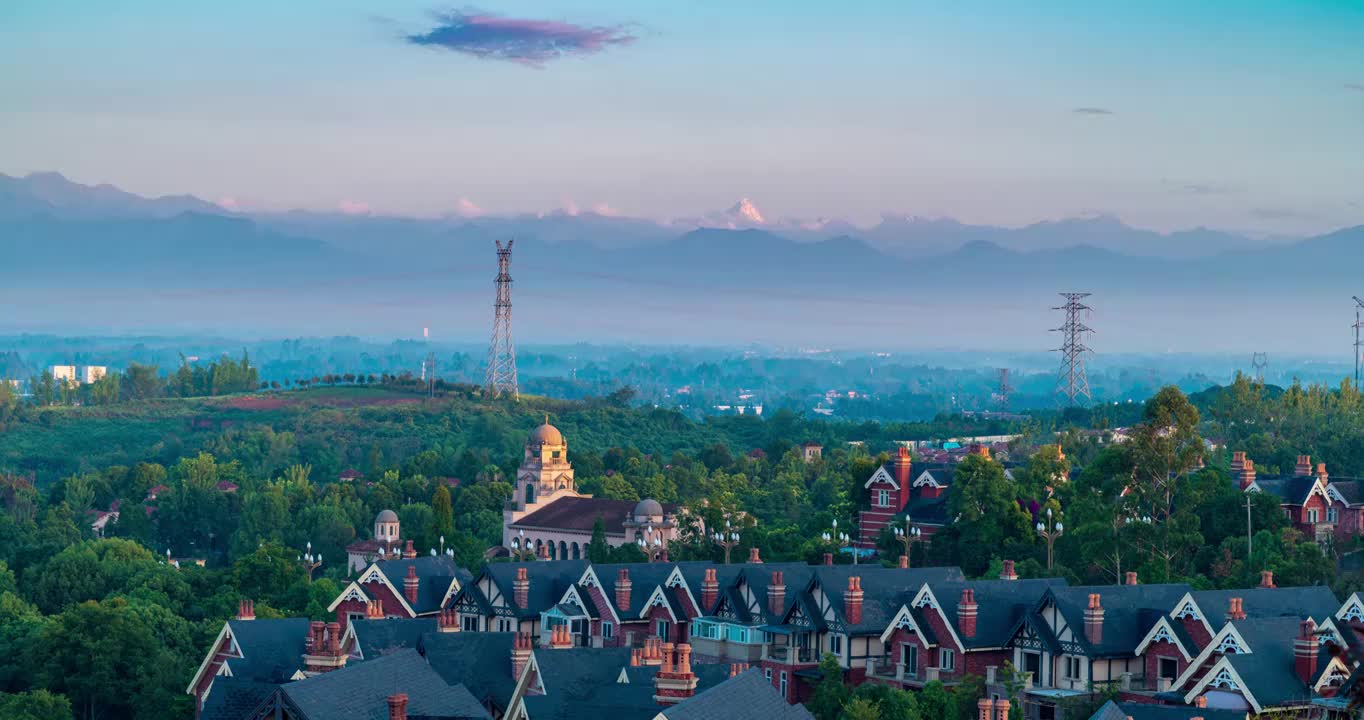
[386, 544]
[549, 517]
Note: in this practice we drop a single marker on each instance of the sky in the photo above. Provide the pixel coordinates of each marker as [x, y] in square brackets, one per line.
[1244, 115]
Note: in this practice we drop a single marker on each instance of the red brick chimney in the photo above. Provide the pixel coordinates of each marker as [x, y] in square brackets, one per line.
[852, 601]
[1094, 620]
[1201, 701]
[776, 594]
[374, 609]
[409, 552]
[710, 591]
[674, 681]
[560, 637]
[1008, 572]
[900, 468]
[966, 613]
[1001, 709]
[520, 654]
[985, 708]
[1267, 579]
[397, 707]
[1247, 473]
[1305, 652]
[1321, 472]
[333, 639]
[828, 558]
[1304, 467]
[448, 621]
[623, 587]
[521, 588]
[411, 584]
[737, 669]
[1238, 462]
[753, 556]
[904, 562]
[246, 610]
[1131, 578]
[1234, 610]
[314, 642]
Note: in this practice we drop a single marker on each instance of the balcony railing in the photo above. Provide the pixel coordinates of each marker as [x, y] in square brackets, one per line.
[788, 654]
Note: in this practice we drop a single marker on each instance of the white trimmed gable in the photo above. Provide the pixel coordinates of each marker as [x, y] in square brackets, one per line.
[881, 476]
[1352, 610]
[1162, 631]
[904, 620]
[926, 479]
[657, 599]
[1222, 676]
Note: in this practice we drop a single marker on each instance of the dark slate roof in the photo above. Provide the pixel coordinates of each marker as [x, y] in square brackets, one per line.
[1268, 669]
[1113, 710]
[575, 671]
[644, 577]
[584, 683]
[435, 573]
[580, 514]
[1289, 489]
[381, 637]
[928, 510]
[748, 690]
[1351, 490]
[884, 590]
[360, 692]
[272, 650]
[480, 661]
[234, 698]
[1314, 601]
[1000, 604]
[1130, 611]
[548, 582]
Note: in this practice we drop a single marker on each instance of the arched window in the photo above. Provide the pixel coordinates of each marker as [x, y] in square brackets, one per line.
[530, 492]
[563, 550]
[552, 554]
[574, 546]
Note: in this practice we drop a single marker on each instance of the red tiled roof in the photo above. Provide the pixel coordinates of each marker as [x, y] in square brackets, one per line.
[580, 514]
[351, 474]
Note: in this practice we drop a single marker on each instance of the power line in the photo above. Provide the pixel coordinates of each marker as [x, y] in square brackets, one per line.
[502, 352]
[1071, 380]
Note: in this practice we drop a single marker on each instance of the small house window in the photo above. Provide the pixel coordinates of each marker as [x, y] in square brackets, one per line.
[1072, 668]
[836, 644]
[883, 498]
[608, 630]
[783, 683]
[1332, 515]
[1311, 515]
[469, 623]
[947, 659]
[1169, 668]
[663, 629]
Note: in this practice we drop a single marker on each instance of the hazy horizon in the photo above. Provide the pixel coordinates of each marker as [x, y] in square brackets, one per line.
[1167, 115]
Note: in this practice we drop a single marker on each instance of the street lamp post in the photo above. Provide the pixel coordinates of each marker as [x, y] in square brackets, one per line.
[521, 549]
[727, 540]
[908, 536]
[1050, 530]
[840, 539]
[310, 561]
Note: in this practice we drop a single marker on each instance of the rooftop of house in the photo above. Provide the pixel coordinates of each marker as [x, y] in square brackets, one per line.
[435, 573]
[749, 690]
[272, 650]
[1114, 710]
[480, 661]
[1268, 669]
[1000, 604]
[1129, 613]
[374, 638]
[361, 691]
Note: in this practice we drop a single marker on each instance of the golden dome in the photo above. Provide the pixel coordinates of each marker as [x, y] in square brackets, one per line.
[546, 435]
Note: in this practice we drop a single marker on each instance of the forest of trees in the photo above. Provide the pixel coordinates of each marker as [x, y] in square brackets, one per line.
[106, 627]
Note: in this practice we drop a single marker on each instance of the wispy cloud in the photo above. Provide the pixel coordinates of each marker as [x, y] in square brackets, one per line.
[1092, 111]
[529, 42]
[464, 207]
[1357, 87]
[1201, 188]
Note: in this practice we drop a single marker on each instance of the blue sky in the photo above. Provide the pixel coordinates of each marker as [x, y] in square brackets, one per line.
[1241, 115]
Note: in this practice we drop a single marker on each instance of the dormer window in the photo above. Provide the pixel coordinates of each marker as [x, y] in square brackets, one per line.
[883, 498]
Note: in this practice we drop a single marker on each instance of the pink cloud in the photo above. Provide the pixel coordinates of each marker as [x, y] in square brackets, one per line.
[529, 42]
[464, 207]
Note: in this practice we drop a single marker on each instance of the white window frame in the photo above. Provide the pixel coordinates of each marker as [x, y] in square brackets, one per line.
[661, 629]
[783, 684]
[947, 659]
[608, 630]
[1312, 515]
[836, 644]
[882, 498]
[1071, 669]
[1332, 515]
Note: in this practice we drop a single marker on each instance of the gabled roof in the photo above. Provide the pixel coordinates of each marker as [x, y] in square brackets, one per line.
[1311, 601]
[1268, 670]
[1289, 490]
[748, 690]
[884, 591]
[1129, 613]
[436, 573]
[480, 661]
[361, 691]
[374, 638]
[548, 581]
[1000, 606]
[272, 650]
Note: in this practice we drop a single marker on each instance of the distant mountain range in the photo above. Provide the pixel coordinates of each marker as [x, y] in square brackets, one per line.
[588, 274]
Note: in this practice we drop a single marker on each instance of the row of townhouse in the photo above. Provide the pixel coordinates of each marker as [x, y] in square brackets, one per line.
[1324, 508]
[427, 668]
[906, 627]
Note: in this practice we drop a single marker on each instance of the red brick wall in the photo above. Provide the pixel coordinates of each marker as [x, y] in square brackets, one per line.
[1198, 631]
[675, 630]
[1157, 650]
[210, 672]
[604, 609]
[976, 661]
[344, 610]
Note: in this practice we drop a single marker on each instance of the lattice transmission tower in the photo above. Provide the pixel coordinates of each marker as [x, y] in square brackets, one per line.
[1259, 361]
[1071, 380]
[1359, 304]
[502, 352]
[1005, 389]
